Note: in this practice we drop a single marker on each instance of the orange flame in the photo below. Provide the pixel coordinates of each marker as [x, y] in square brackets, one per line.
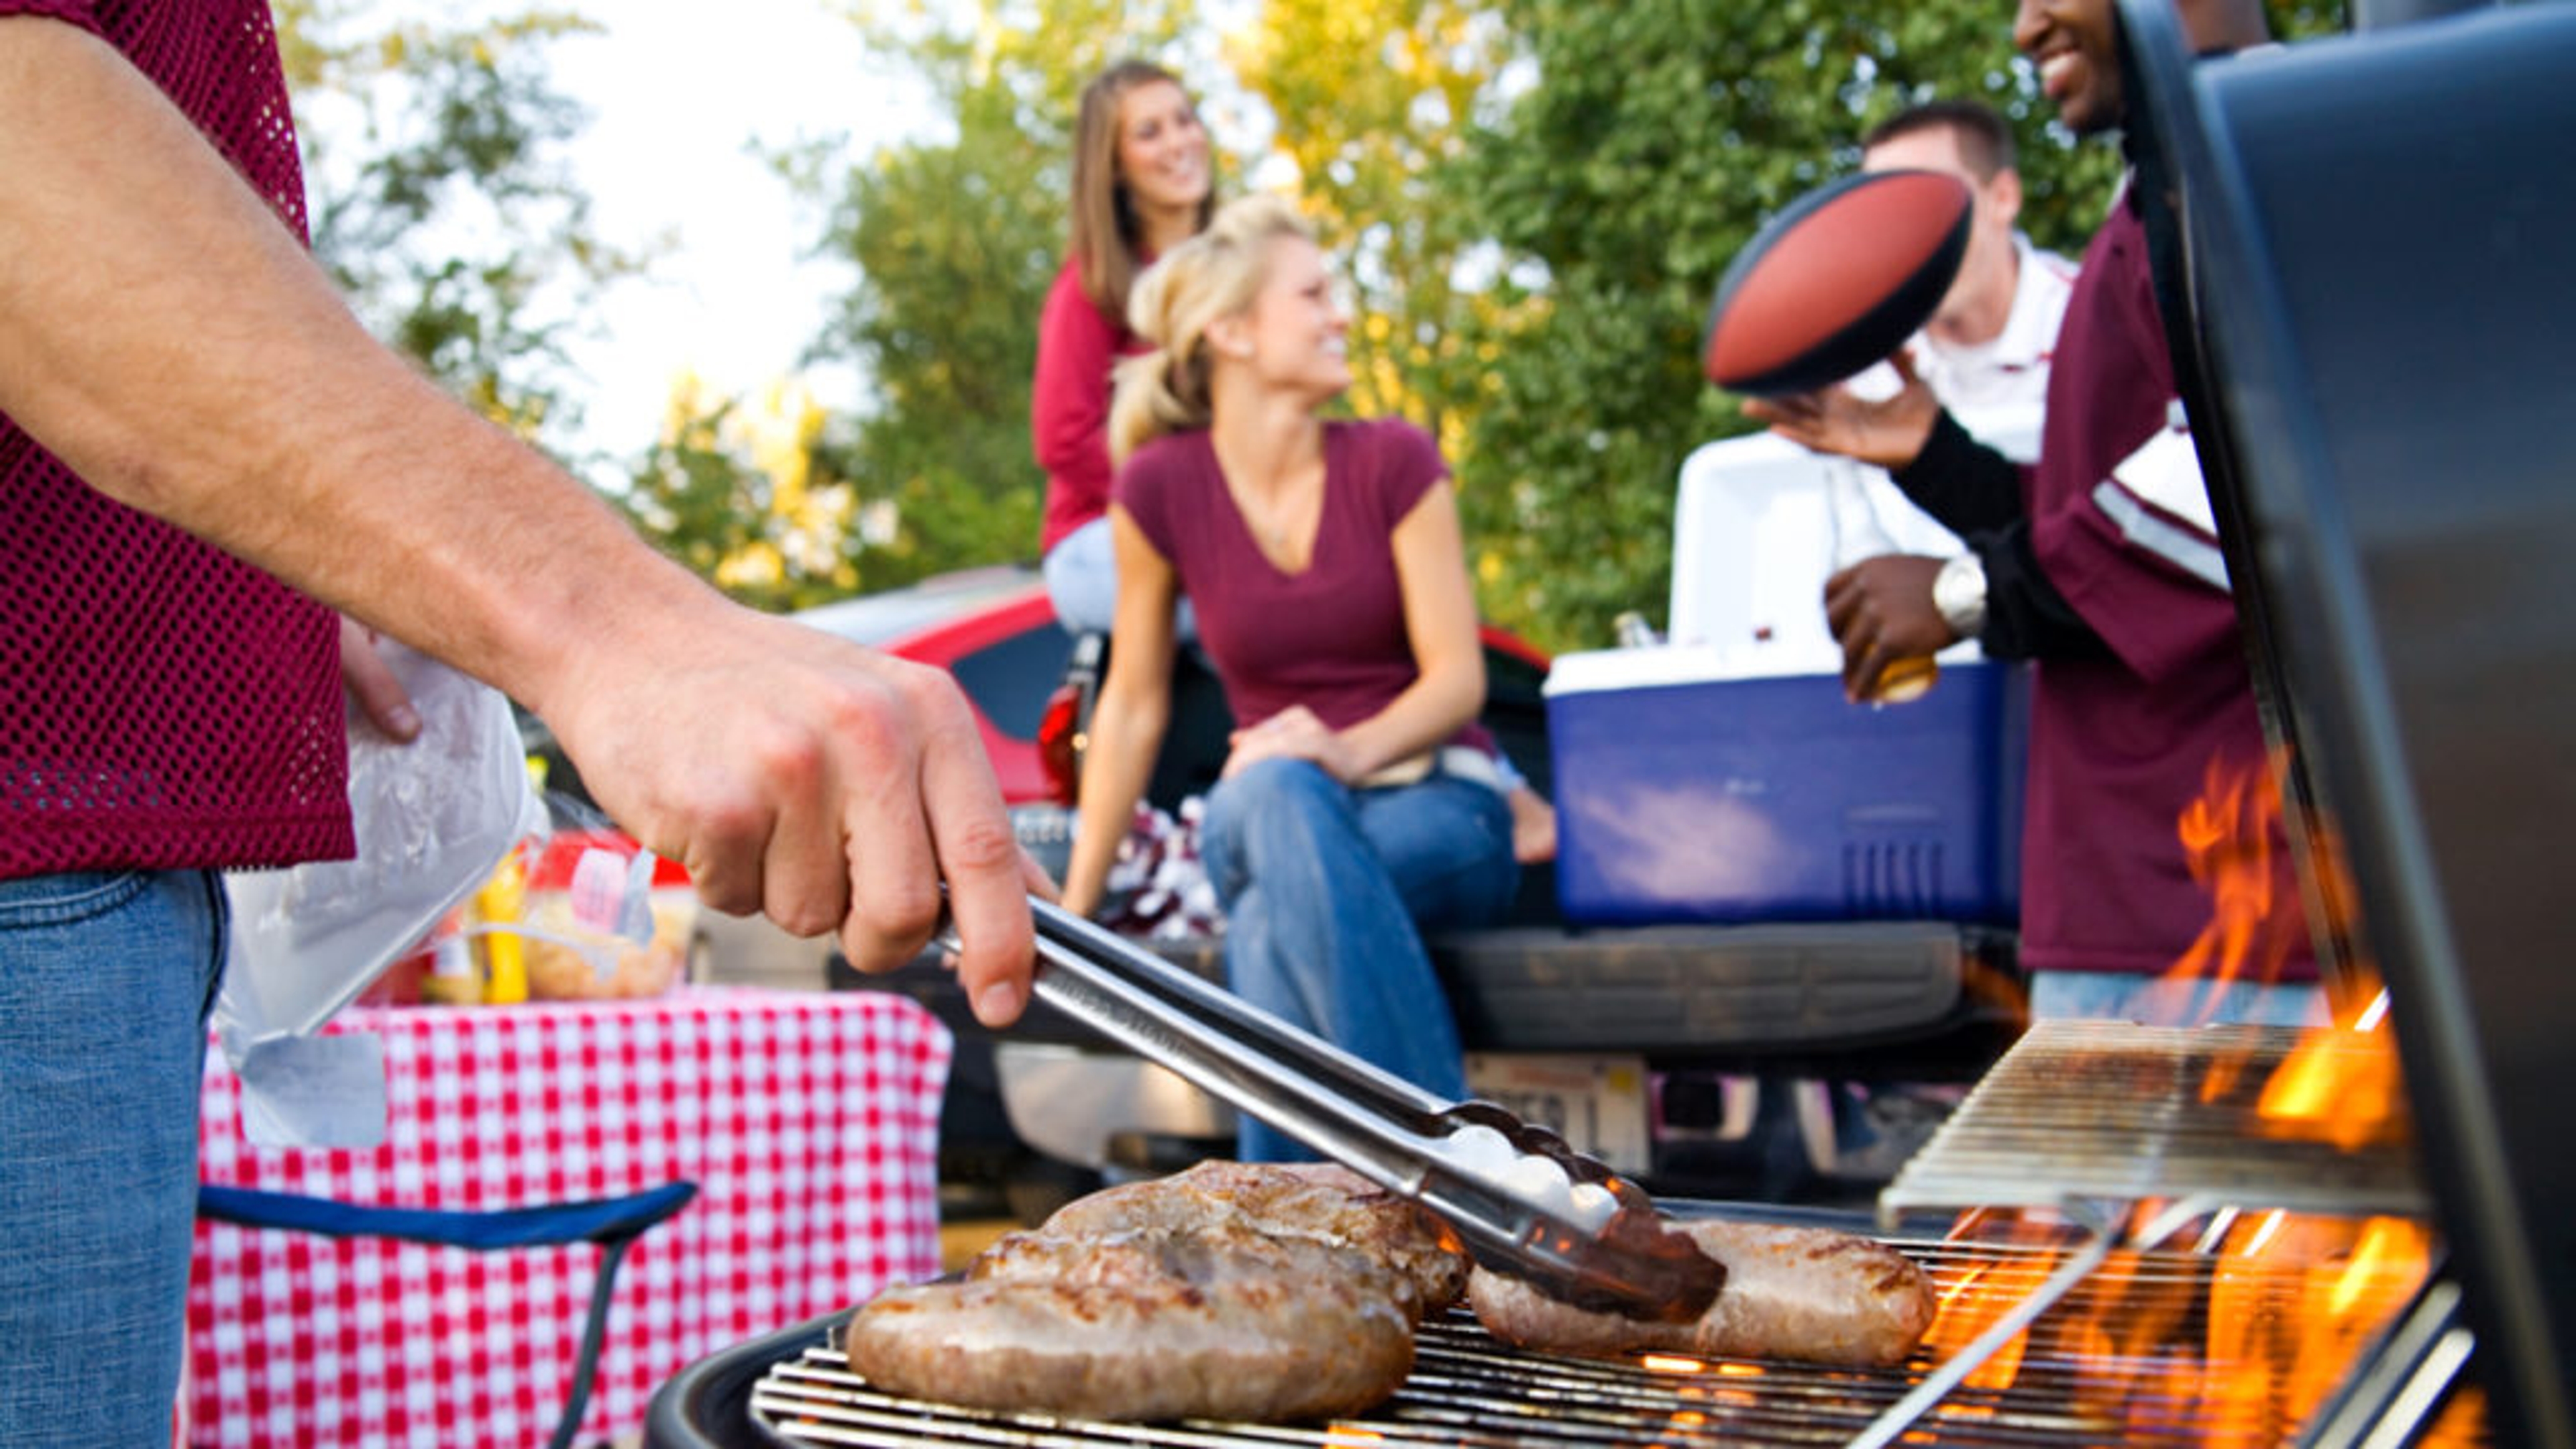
[2341, 1087]
[2228, 836]
[2293, 1302]
[2236, 1346]
[2241, 1346]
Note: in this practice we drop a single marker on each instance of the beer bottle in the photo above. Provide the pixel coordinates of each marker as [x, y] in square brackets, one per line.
[1858, 534]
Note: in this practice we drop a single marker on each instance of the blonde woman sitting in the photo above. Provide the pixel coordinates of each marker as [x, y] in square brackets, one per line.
[1359, 803]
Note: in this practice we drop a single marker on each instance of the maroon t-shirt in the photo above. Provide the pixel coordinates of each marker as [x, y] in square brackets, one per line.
[1332, 637]
[161, 703]
[2122, 746]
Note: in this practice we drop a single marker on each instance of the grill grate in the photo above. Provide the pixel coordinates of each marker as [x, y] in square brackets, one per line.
[2108, 1110]
[2070, 1380]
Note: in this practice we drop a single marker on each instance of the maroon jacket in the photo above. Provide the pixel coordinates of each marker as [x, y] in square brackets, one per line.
[1069, 403]
[2126, 738]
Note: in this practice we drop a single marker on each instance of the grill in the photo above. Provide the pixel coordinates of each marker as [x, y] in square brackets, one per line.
[2366, 236]
[2084, 1110]
[1468, 1390]
[2061, 1333]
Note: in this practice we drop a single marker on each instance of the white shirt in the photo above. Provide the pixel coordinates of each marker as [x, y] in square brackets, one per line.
[2011, 370]
[1752, 537]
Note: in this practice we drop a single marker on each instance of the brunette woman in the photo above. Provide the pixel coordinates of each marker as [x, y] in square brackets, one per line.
[1360, 802]
[1140, 187]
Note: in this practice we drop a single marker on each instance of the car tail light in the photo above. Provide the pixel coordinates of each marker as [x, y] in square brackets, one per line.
[1060, 743]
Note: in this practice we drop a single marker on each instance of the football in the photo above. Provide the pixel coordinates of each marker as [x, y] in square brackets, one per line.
[1837, 281]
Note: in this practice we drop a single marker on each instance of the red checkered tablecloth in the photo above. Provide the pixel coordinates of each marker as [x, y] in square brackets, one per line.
[809, 1121]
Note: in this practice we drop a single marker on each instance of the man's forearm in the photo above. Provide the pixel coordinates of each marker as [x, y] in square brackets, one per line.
[2026, 616]
[164, 334]
[1965, 484]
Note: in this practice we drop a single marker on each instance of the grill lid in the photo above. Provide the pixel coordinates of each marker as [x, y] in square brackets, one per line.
[2374, 265]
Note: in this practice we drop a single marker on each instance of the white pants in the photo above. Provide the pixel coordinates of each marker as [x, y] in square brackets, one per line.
[1082, 582]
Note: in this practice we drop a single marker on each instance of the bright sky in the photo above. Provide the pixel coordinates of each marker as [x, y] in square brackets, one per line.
[678, 94]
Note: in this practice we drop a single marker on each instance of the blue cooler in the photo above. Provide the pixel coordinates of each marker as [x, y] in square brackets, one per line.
[1684, 796]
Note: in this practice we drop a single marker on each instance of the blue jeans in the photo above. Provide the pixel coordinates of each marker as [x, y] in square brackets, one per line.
[2173, 1001]
[106, 978]
[1325, 889]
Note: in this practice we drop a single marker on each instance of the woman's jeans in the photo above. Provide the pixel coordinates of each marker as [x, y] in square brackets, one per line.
[105, 981]
[1324, 887]
[2173, 1000]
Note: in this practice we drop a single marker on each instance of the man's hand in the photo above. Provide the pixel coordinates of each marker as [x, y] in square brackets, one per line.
[371, 683]
[1881, 611]
[824, 785]
[1889, 432]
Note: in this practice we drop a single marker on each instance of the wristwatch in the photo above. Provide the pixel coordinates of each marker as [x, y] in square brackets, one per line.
[1959, 593]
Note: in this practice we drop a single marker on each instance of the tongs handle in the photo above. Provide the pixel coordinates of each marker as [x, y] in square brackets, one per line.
[1385, 1128]
[1343, 1107]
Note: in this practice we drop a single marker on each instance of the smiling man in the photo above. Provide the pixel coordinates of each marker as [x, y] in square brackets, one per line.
[2101, 563]
[1988, 344]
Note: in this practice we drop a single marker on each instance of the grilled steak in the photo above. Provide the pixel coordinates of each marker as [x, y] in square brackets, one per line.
[1319, 1201]
[1791, 1293]
[1218, 1321]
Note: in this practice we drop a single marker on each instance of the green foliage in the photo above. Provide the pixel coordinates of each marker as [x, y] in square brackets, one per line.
[698, 496]
[735, 493]
[957, 244]
[1657, 136]
[1373, 97]
[442, 206]
[956, 240]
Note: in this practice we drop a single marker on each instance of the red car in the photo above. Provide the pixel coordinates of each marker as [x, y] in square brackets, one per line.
[993, 629]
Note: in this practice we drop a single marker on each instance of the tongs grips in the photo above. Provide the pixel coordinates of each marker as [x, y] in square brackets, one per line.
[1381, 1126]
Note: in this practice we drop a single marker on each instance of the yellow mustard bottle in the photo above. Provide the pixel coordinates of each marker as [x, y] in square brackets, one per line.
[503, 902]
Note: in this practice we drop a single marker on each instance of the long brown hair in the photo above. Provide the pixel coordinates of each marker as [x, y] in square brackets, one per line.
[1106, 234]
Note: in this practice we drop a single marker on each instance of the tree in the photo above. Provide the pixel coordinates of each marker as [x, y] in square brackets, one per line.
[1648, 142]
[955, 239]
[1371, 99]
[731, 490]
[439, 201]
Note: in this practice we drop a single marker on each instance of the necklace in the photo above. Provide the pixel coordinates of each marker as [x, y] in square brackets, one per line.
[1284, 534]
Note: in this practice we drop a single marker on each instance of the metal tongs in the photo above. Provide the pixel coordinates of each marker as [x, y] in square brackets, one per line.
[1388, 1130]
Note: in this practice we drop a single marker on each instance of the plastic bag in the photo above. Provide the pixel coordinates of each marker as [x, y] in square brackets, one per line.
[433, 818]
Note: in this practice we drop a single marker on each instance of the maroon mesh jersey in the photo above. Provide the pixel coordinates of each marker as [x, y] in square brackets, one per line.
[162, 704]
